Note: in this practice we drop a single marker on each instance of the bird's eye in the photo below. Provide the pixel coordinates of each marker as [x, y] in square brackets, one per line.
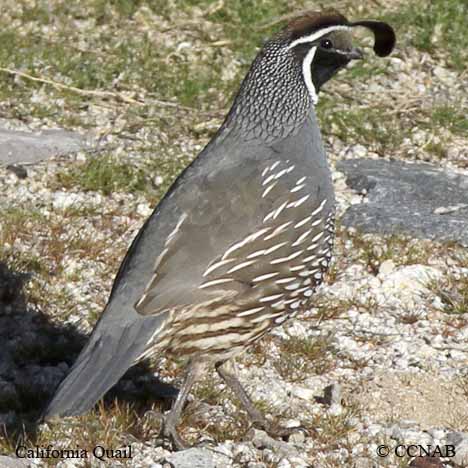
[326, 44]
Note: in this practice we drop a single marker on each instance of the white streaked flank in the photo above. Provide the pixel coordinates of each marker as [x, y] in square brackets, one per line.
[269, 179]
[302, 238]
[279, 210]
[299, 202]
[309, 259]
[301, 223]
[264, 277]
[257, 253]
[297, 188]
[241, 265]
[250, 311]
[278, 230]
[275, 247]
[271, 298]
[215, 282]
[286, 280]
[317, 237]
[286, 259]
[316, 222]
[217, 265]
[297, 268]
[319, 208]
[245, 241]
[269, 189]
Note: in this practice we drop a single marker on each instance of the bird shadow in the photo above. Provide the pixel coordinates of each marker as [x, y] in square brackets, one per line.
[36, 354]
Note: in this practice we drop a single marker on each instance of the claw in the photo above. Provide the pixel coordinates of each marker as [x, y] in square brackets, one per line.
[169, 438]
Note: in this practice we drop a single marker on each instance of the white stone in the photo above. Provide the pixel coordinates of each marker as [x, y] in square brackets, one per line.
[386, 267]
[143, 209]
[409, 283]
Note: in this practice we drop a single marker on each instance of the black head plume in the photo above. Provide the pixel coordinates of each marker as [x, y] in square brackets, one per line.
[384, 35]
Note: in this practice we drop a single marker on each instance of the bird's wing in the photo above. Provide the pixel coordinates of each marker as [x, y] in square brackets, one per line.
[203, 239]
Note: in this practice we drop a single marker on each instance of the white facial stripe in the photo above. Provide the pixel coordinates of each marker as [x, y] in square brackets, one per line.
[307, 63]
[307, 73]
[317, 35]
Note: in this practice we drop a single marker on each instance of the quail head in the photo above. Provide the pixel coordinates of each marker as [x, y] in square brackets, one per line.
[243, 237]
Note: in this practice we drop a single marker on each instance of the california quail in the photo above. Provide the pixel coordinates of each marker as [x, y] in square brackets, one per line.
[243, 237]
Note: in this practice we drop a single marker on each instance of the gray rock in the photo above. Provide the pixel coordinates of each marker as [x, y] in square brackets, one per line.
[18, 147]
[461, 454]
[262, 440]
[456, 438]
[192, 458]
[332, 394]
[414, 199]
[11, 462]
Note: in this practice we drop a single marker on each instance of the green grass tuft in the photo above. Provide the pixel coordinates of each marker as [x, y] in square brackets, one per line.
[104, 174]
[437, 27]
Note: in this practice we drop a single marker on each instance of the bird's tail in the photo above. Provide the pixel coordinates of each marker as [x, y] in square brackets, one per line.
[110, 351]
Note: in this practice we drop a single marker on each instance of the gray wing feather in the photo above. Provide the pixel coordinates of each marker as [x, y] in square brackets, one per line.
[220, 200]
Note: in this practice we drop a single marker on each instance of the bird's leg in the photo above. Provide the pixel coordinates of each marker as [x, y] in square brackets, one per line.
[227, 373]
[170, 422]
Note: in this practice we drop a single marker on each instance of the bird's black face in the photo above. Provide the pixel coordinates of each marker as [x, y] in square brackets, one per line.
[333, 52]
[322, 44]
[321, 56]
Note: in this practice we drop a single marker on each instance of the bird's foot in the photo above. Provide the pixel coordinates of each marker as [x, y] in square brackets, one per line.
[169, 438]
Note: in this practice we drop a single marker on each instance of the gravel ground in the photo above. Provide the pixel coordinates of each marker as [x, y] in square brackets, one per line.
[382, 361]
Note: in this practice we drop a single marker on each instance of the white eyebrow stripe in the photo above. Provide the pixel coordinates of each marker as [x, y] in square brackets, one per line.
[318, 34]
[307, 74]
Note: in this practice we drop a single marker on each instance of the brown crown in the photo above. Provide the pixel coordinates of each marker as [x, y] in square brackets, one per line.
[311, 21]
